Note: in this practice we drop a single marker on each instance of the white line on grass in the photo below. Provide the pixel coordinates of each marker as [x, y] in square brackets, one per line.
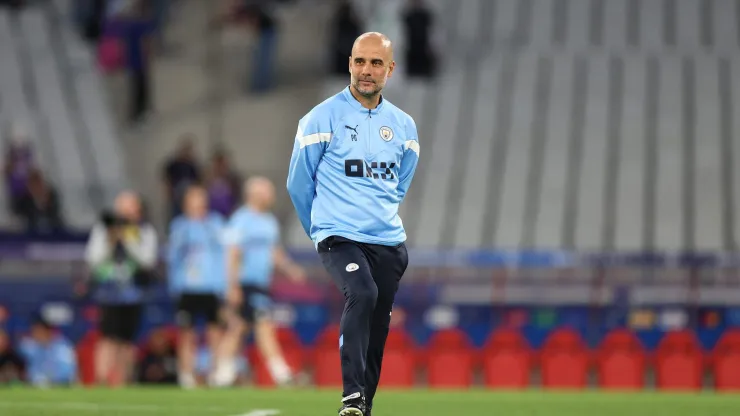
[262, 412]
[95, 407]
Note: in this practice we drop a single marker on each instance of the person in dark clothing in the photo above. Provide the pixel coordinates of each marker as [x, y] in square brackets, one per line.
[258, 18]
[13, 4]
[94, 19]
[223, 184]
[135, 26]
[265, 26]
[180, 172]
[159, 365]
[40, 205]
[420, 58]
[346, 28]
[19, 163]
[12, 365]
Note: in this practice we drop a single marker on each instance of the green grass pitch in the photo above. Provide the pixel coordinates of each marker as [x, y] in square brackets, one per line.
[308, 402]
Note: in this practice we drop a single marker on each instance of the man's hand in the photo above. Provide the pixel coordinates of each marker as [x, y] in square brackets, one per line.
[234, 296]
[297, 274]
[114, 235]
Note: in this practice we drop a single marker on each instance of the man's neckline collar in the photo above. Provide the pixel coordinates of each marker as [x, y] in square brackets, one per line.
[358, 106]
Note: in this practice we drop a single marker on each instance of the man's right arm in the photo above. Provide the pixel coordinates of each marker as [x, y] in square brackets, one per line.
[98, 247]
[233, 240]
[175, 249]
[311, 140]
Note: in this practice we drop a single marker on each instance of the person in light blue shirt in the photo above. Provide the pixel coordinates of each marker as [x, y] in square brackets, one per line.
[353, 160]
[196, 276]
[50, 358]
[254, 252]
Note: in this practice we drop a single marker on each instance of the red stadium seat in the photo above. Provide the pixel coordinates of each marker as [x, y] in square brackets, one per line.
[450, 359]
[507, 360]
[293, 352]
[326, 361]
[725, 362]
[449, 338]
[679, 362]
[564, 361]
[86, 357]
[329, 336]
[621, 361]
[399, 360]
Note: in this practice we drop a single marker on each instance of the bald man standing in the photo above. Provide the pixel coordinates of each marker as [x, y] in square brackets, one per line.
[253, 253]
[353, 160]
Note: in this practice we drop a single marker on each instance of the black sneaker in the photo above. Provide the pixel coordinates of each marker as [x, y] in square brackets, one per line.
[353, 405]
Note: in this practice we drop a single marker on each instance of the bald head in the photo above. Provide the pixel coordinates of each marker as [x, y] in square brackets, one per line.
[196, 202]
[370, 65]
[259, 193]
[374, 40]
[127, 204]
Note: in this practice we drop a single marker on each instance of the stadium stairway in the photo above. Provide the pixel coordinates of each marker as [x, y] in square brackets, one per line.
[49, 85]
[200, 88]
[579, 124]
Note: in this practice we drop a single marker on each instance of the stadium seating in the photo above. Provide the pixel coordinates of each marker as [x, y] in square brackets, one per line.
[554, 130]
[86, 357]
[679, 362]
[449, 360]
[399, 360]
[327, 369]
[564, 360]
[725, 361]
[50, 85]
[621, 361]
[507, 360]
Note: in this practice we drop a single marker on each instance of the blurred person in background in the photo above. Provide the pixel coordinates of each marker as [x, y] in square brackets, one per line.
[180, 172]
[134, 24]
[90, 16]
[256, 16]
[265, 26]
[121, 254]
[13, 4]
[253, 252]
[19, 163]
[12, 365]
[346, 27]
[50, 357]
[223, 185]
[159, 362]
[197, 277]
[204, 366]
[40, 206]
[418, 21]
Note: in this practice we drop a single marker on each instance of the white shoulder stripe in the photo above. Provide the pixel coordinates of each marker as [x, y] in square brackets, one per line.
[314, 139]
[413, 145]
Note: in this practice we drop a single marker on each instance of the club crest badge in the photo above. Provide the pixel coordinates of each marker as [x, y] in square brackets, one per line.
[386, 133]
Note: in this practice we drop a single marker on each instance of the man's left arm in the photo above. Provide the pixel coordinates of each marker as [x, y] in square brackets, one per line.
[287, 266]
[34, 374]
[410, 160]
[66, 365]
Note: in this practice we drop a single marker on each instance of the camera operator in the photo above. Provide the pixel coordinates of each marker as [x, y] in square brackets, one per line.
[121, 254]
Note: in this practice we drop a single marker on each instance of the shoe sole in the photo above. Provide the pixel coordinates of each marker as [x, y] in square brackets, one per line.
[351, 412]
